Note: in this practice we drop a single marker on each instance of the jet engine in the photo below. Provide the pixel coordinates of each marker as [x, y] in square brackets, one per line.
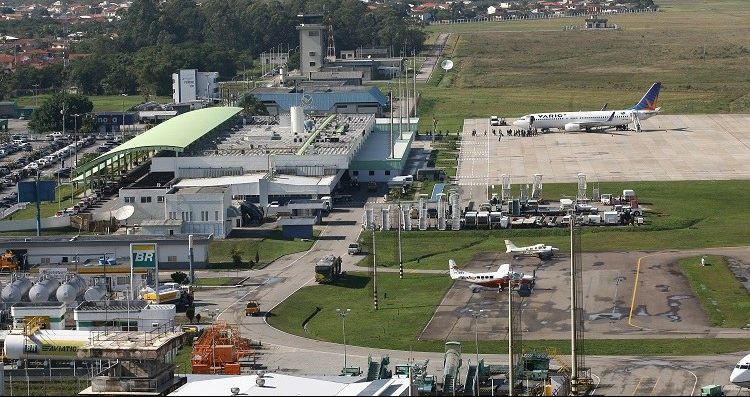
[572, 127]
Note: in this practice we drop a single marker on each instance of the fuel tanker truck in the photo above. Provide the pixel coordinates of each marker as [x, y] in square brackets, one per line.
[46, 344]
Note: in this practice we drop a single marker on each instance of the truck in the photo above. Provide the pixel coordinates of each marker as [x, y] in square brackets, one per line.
[606, 199]
[611, 217]
[180, 295]
[328, 269]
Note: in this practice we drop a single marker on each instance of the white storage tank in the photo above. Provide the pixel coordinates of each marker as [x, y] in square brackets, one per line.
[71, 289]
[95, 293]
[17, 290]
[298, 119]
[43, 290]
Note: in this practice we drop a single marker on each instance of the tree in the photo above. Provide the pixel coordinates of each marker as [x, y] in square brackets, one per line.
[198, 318]
[87, 74]
[257, 256]
[236, 255]
[190, 312]
[180, 277]
[252, 106]
[49, 116]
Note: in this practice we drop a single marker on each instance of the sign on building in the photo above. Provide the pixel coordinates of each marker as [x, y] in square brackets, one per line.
[143, 256]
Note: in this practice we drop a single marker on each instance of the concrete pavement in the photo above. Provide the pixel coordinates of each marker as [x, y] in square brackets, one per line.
[425, 71]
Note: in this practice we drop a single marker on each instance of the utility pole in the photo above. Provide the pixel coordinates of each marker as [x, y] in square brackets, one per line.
[476, 314]
[190, 258]
[414, 54]
[511, 372]
[390, 138]
[374, 270]
[122, 128]
[400, 259]
[400, 105]
[406, 89]
[343, 313]
[573, 314]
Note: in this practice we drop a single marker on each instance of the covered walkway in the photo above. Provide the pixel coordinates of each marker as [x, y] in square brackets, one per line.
[175, 134]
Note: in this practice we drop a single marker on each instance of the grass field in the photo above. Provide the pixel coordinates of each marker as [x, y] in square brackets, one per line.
[519, 67]
[216, 281]
[268, 249]
[681, 215]
[48, 209]
[407, 305]
[724, 299]
[102, 103]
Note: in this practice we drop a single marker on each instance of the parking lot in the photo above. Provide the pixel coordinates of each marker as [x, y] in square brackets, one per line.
[664, 304]
[51, 155]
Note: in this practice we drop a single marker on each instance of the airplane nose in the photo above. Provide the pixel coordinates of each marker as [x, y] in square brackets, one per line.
[735, 375]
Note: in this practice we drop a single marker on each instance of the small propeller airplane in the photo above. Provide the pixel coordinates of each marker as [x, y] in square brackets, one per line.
[540, 250]
[499, 279]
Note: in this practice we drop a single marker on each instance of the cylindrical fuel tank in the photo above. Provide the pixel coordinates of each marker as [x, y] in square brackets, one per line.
[95, 293]
[16, 290]
[53, 344]
[71, 289]
[43, 290]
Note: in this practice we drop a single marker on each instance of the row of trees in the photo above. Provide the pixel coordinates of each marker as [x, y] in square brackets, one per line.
[154, 40]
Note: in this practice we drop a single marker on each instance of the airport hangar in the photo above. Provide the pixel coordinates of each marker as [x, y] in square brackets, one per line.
[261, 159]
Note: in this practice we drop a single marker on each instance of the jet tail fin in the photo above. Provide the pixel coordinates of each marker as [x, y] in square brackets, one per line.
[648, 102]
[605, 106]
[509, 246]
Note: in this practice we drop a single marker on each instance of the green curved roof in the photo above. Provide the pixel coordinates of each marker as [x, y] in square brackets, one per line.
[175, 134]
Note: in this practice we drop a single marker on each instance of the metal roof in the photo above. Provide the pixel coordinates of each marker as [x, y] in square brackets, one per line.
[323, 100]
[174, 134]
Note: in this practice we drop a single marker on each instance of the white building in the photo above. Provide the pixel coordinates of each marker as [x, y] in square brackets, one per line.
[290, 385]
[491, 10]
[203, 209]
[53, 314]
[122, 315]
[190, 85]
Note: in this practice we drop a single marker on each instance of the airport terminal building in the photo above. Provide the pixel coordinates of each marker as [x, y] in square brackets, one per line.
[203, 165]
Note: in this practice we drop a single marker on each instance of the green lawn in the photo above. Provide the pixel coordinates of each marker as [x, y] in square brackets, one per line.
[681, 215]
[182, 362]
[407, 305]
[520, 67]
[726, 301]
[48, 209]
[102, 103]
[268, 249]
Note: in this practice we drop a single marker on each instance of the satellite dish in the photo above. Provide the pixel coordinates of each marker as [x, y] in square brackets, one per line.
[306, 100]
[447, 65]
[123, 212]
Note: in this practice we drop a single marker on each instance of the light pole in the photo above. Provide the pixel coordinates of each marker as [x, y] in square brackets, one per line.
[122, 128]
[75, 138]
[476, 314]
[343, 313]
[36, 89]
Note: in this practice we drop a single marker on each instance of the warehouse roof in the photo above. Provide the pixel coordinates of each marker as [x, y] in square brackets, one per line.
[174, 134]
[321, 99]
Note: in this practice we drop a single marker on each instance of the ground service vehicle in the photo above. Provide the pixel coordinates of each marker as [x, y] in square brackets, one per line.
[328, 269]
[252, 308]
[354, 249]
[8, 261]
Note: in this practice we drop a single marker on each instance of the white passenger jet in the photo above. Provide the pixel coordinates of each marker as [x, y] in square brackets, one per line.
[602, 119]
[540, 250]
[499, 279]
[741, 373]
